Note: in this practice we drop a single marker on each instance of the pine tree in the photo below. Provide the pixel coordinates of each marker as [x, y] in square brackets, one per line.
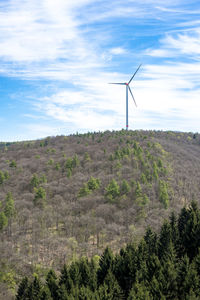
[84, 191]
[51, 281]
[65, 279]
[139, 291]
[2, 177]
[40, 197]
[45, 294]
[34, 289]
[163, 194]
[3, 221]
[125, 187]
[105, 263]
[35, 181]
[22, 289]
[93, 183]
[9, 210]
[165, 239]
[112, 191]
[151, 240]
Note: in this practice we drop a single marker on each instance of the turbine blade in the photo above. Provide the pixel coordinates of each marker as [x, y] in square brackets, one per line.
[117, 83]
[132, 95]
[134, 74]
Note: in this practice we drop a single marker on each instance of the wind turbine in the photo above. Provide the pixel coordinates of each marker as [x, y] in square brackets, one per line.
[128, 89]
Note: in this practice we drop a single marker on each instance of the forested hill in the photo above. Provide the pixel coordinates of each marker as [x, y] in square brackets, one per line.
[163, 266]
[70, 196]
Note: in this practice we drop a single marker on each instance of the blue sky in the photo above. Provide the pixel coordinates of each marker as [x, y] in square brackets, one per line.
[57, 58]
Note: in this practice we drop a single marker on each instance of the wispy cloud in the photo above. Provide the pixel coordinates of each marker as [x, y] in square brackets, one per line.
[85, 44]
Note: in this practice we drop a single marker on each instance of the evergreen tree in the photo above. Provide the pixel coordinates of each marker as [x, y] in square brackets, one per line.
[13, 164]
[114, 291]
[125, 187]
[45, 294]
[75, 161]
[65, 279]
[105, 263]
[40, 197]
[139, 291]
[163, 194]
[189, 230]
[112, 191]
[151, 241]
[93, 183]
[22, 289]
[165, 239]
[35, 181]
[3, 221]
[2, 177]
[187, 279]
[84, 190]
[51, 281]
[34, 289]
[9, 209]
[75, 274]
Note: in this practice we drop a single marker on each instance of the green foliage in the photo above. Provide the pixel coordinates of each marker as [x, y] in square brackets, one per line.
[125, 187]
[163, 266]
[163, 193]
[105, 265]
[84, 190]
[9, 209]
[93, 183]
[50, 162]
[13, 164]
[112, 191]
[57, 166]
[3, 221]
[40, 197]
[6, 175]
[87, 157]
[2, 177]
[22, 289]
[35, 181]
[89, 187]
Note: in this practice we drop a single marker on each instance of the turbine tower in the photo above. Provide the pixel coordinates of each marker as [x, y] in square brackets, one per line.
[128, 89]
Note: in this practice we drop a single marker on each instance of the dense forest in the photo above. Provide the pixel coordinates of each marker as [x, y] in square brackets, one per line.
[162, 266]
[66, 197]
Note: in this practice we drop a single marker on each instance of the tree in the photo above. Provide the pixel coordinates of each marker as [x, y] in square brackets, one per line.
[93, 183]
[51, 281]
[75, 161]
[125, 187]
[112, 191]
[13, 164]
[105, 263]
[40, 197]
[84, 191]
[139, 291]
[9, 210]
[9, 206]
[163, 194]
[3, 221]
[22, 289]
[111, 288]
[2, 177]
[35, 181]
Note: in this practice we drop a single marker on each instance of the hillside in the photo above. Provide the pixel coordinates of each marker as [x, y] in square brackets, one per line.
[69, 196]
[162, 266]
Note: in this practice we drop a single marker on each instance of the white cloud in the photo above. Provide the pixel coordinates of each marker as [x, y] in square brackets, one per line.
[118, 51]
[53, 40]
